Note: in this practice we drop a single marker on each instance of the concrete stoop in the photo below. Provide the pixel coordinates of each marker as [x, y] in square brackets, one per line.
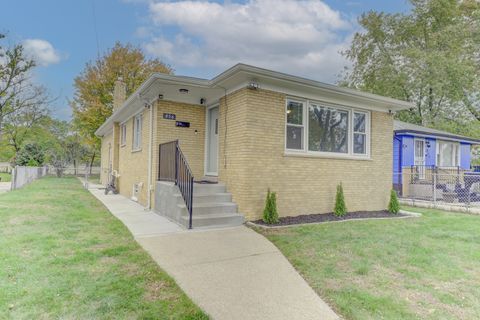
[212, 205]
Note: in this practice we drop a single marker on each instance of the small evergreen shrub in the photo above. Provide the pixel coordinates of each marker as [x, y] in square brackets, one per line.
[393, 205]
[270, 213]
[340, 208]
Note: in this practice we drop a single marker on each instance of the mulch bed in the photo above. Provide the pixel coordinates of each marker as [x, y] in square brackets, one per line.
[325, 217]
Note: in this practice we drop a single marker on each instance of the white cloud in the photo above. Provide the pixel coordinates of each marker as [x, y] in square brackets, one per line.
[41, 51]
[301, 37]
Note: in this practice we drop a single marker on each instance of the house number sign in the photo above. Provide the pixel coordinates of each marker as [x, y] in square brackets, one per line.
[169, 116]
[182, 124]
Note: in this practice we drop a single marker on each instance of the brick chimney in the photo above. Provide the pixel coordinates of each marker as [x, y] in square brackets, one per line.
[119, 94]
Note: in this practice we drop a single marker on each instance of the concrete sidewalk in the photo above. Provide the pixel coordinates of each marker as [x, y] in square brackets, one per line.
[231, 273]
[139, 221]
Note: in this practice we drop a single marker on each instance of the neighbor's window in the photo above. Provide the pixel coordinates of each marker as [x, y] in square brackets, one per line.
[123, 134]
[295, 125]
[448, 154]
[137, 132]
[359, 133]
[327, 129]
[317, 128]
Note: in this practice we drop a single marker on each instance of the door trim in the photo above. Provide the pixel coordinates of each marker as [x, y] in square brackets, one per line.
[207, 131]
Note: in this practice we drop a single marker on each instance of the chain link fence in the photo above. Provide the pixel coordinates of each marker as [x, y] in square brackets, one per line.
[78, 171]
[449, 188]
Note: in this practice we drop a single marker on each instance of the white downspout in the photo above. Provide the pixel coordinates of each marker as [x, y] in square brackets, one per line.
[150, 146]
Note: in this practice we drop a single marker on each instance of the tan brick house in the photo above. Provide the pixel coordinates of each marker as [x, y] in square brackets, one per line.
[249, 129]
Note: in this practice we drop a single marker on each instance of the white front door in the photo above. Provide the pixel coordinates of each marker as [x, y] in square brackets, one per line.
[212, 142]
[419, 157]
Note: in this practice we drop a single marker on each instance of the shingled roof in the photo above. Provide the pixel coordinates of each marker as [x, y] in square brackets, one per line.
[409, 128]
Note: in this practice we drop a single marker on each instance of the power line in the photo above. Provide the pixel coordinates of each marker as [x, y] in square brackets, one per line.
[95, 28]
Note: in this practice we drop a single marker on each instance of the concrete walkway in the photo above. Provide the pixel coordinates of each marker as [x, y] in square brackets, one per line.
[139, 221]
[231, 273]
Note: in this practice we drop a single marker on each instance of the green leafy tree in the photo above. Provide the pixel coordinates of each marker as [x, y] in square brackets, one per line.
[21, 125]
[21, 101]
[93, 99]
[393, 204]
[340, 208]
[429, 56]
[30, 155]
[270, 213]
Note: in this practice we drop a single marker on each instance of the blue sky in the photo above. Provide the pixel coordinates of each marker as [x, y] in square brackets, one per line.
[198, 38]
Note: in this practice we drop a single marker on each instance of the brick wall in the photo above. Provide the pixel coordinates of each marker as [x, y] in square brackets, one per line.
[256, 161]
[252, 157]
[192, 143]
[133, 164]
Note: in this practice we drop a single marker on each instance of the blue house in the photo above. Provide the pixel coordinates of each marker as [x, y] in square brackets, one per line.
[419, 146]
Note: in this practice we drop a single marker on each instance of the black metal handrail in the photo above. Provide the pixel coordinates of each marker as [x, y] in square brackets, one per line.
[173, 167]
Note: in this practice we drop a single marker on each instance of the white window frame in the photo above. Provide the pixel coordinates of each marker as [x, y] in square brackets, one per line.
[137, 133]
[303, 125]
[366, 133]
[351, 110]
[123, 134]
[438, 154]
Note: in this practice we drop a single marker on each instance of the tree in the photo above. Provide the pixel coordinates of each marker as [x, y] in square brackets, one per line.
[75, 151]
[270, 212]
[340, 208]
[393, 204]
[93, 99]
[20, 123]
[430, 57]
[30, 155]
[17, 92]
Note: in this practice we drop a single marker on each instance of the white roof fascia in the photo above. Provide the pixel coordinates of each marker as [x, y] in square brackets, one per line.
[386, 103]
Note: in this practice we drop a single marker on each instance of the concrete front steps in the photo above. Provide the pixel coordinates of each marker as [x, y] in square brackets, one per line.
[212, 205]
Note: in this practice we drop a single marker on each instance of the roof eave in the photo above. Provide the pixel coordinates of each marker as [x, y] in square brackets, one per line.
[440, 135]
[391, 103]
[387, 103]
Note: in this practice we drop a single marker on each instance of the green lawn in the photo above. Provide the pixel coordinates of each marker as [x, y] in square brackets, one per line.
[415, 268]
[64, 256]
[5, 177]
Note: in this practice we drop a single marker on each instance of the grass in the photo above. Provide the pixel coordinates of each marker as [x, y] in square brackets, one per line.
[415, 268]
[64, 256]
[5, 177]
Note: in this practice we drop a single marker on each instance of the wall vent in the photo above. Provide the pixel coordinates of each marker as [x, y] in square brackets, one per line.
[136, 190]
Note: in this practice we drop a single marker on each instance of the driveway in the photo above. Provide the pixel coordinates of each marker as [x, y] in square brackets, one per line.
[231, 273]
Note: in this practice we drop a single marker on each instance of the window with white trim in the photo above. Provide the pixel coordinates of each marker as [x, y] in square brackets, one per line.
[359, 132]
[123, 134]
[137, 132]
[319, 128]
[327, 129]
[448, 154]
[295, 125]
